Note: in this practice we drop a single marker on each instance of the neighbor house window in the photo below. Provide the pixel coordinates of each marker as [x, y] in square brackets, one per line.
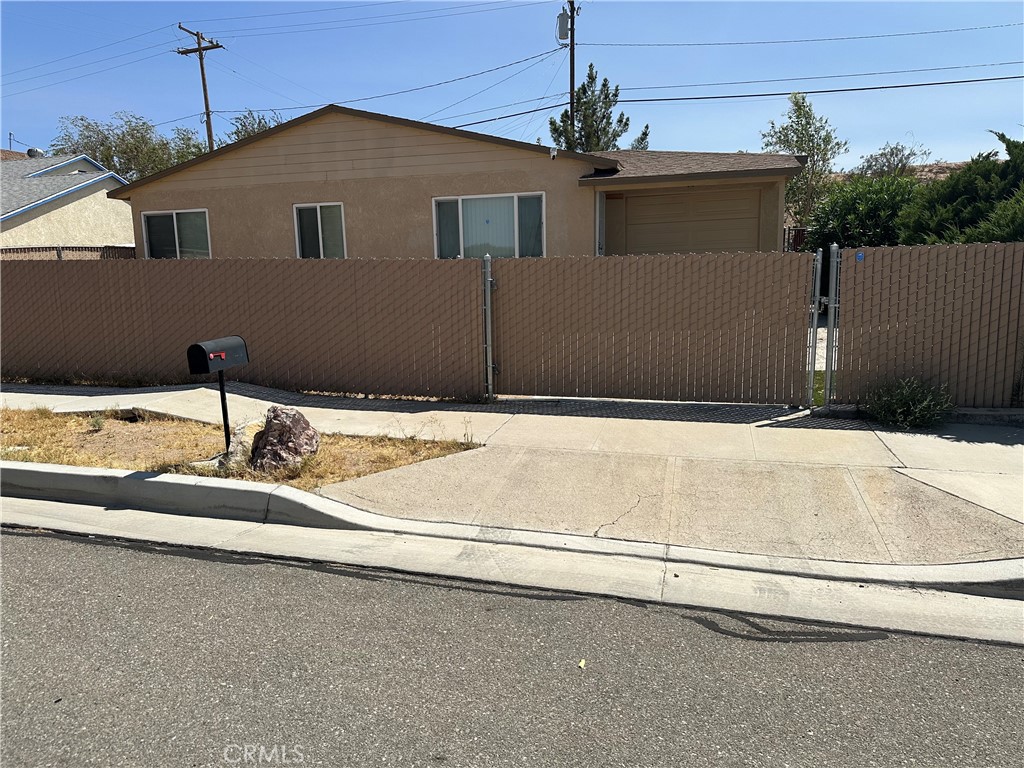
[176, 235]
[320, 231]
[505, 226]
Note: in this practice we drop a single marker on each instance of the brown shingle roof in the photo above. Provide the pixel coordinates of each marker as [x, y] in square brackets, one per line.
[10, 154]
[651, 165]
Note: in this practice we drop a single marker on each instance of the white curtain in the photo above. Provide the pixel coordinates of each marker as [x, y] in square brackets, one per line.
[488, 226]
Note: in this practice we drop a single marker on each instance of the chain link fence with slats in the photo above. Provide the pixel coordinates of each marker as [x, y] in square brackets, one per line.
[950, 314]
[685, 327]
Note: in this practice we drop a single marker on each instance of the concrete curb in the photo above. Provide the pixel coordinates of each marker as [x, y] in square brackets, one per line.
[874, 606]
[264, 503]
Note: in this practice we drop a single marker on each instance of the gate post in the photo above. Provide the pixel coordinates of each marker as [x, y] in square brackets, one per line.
[812, 352]
[835, 259]
[488, 329]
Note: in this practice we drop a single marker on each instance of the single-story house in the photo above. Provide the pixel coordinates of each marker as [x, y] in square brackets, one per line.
[343, 183]
[61, 200]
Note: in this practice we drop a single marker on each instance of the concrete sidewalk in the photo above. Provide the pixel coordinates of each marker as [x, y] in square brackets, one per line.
[731, 478]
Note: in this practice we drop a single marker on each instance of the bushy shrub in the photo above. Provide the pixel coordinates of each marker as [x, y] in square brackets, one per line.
[908, 403]
[861, 212]
[946, 211]
[1004, 225]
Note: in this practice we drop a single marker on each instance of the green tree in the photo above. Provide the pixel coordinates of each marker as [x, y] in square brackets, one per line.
[805, 133]
[963, 206]
[596, 129]
[249, 123]
[643, 141]
[892, 160]
[129, 144]
[860, 212]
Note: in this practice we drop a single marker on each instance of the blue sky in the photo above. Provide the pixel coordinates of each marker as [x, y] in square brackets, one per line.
[295, 56]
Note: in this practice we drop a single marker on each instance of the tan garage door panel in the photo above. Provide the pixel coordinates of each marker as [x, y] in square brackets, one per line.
[687, 237]
[693, 221]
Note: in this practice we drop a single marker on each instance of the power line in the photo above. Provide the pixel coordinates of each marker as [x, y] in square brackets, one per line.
[86, 64]
[88, 74]
[383, 95]
[365, 18]
[296, 13]
[824, 90]
[178, 119]
[758, 95]
[822, 77]
[90, 50]
[493, 85]
[528, 123]
[380, 23]
[750, 82]
[803, 40]
[447, 82]
[233, 52]
[249, 80]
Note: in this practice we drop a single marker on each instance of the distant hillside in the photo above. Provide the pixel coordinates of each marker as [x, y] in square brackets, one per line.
[926, 173]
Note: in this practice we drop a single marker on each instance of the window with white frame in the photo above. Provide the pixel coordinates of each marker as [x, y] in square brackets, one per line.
[505, 226]
[320, 231]
[176, 234]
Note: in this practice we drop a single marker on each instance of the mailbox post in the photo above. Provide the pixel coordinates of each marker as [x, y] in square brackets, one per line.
[217, 355]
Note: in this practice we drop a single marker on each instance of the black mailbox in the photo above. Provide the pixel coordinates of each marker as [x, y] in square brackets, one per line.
[217, 355]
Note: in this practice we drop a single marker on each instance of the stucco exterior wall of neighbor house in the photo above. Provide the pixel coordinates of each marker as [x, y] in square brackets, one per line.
[86, 217]
[385, 175]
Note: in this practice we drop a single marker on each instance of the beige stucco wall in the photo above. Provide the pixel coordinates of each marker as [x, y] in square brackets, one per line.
[385, 175]
[86, 217]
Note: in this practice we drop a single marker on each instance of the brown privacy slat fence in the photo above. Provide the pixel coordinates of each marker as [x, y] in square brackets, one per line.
[387, 327]
[710, 327]
[950, 314]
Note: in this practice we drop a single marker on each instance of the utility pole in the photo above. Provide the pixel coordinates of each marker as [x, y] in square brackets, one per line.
[200, 49]
[569, 19]
[572, 68]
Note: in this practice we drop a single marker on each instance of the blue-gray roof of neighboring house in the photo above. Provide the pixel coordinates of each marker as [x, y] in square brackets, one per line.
[25, 184]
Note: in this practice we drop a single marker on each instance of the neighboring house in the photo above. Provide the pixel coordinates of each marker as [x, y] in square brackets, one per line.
[50, 201]
[340, 183]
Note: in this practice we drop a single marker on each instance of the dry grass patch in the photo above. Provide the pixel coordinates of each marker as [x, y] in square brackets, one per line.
[163, 444]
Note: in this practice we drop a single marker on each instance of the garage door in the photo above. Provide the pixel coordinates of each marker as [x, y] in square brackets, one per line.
[693, 221]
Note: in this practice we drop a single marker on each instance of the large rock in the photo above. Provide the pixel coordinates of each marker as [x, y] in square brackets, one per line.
[285, 440]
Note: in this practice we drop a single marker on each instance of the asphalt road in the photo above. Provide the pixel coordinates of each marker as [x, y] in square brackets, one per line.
[126, 655]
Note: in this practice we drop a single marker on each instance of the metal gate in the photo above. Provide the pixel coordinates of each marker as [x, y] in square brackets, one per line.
[730, 327]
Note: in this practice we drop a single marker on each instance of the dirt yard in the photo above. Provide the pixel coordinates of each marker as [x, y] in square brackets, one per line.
[135, 441]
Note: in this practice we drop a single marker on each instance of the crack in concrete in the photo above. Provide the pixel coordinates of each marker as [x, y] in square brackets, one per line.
[490, 437]
[639, 500]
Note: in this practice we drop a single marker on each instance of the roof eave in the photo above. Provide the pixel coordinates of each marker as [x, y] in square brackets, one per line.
[596, 181]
